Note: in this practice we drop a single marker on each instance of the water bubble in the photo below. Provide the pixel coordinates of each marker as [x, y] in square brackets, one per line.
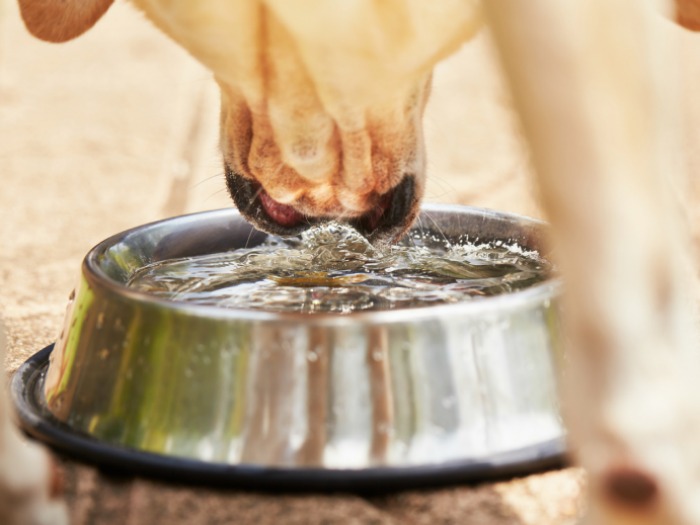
[312, 356]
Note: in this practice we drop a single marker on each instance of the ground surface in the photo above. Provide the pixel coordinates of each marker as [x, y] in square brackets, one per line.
[119, 128]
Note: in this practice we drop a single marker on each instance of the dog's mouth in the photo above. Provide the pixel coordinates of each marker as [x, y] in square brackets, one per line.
[388, 219]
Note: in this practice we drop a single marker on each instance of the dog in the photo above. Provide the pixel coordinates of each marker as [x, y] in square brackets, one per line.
[30, 485]
[321, 118]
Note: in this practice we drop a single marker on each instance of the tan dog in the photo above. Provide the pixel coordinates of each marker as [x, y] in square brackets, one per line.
[321, 109]
[29, 485]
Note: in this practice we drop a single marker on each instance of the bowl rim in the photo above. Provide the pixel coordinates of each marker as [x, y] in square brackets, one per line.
[502, 303]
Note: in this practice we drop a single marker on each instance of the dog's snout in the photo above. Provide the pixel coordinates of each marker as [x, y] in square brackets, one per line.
[261, 210]
[387, 218]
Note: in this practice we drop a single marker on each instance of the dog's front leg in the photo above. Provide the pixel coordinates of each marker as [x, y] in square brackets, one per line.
[593, 86]
[27, 479]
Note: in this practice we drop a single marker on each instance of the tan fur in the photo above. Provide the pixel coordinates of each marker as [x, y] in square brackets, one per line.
[299, 112]
[688, 14]
[321, 105]
[601, 116]
[59, 21]
[28, 494]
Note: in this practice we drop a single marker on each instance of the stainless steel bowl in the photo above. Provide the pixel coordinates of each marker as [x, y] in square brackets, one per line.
[444, 387]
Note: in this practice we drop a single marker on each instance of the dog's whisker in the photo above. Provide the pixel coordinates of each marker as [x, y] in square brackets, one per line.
[438, 229]
[208, 179]
[250, 236]
[443, 186]
[253, 199]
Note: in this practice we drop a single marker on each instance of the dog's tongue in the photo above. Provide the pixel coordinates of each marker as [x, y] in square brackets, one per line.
[282, 214]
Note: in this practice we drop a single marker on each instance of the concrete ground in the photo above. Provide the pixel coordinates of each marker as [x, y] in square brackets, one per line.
[119, 128]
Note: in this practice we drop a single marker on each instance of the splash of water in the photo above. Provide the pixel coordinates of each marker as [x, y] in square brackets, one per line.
[333, 268]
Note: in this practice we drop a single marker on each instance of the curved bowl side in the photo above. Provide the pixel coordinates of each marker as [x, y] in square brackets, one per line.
[403, 388]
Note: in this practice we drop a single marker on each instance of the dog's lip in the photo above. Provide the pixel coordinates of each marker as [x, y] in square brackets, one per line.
[283, 214]
[394, 213]
[388, 219]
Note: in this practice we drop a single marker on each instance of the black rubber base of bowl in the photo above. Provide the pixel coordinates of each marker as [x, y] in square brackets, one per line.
[38, 422]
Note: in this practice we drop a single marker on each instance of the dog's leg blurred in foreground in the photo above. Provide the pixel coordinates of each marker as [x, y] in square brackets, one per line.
[596, 94]
[28, 483]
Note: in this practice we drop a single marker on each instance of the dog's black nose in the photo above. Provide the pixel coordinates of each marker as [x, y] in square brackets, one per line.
[388, 219]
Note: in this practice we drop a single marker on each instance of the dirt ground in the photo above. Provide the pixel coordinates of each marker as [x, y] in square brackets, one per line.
[119, 128]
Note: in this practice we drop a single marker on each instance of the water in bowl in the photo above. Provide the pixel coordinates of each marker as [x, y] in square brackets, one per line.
[333, 268]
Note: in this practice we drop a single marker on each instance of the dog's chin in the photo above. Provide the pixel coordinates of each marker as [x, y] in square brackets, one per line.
[387, 221]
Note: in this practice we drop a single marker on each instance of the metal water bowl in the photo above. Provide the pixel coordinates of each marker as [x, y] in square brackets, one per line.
[406, 397]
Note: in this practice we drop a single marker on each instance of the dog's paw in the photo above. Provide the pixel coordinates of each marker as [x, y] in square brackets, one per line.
[31, 484]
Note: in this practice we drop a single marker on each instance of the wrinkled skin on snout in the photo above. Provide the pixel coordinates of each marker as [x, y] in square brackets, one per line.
[321, 101]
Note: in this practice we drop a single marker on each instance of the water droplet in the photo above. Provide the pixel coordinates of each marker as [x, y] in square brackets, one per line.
[100, 321]
[378, 355]
[312, 356]
[104, 353]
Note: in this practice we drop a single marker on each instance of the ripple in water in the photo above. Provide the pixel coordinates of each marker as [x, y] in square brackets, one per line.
[333, 268]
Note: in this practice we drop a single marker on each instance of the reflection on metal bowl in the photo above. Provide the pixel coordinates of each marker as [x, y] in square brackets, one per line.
[382, 391]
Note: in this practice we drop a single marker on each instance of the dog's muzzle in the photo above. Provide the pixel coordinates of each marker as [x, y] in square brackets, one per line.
[386, 221]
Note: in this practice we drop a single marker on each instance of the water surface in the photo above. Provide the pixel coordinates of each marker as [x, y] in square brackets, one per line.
[333, 268]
